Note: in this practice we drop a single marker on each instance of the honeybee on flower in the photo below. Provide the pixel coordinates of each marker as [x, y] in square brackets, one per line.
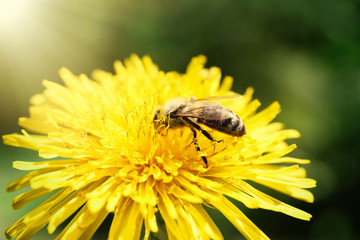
[114, 159]
[179, 112]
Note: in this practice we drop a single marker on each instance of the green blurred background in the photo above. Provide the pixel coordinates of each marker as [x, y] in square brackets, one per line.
[305, 54]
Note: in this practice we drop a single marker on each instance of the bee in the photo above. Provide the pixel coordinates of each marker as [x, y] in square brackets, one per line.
[181, 112]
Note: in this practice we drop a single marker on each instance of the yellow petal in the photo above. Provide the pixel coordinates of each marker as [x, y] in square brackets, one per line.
[127, 222]
[239, 220]
[168, 202]
[83, 225]
[22, 199]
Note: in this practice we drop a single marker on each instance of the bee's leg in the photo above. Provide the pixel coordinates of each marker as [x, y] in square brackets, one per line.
[198, 147]
[199, 128]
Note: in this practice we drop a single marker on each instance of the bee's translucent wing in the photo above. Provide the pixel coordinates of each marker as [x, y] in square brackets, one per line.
[206, 112]
[214, 98]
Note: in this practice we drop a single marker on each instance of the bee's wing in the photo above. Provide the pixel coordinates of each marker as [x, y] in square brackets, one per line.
[208, 112]
[218, 97]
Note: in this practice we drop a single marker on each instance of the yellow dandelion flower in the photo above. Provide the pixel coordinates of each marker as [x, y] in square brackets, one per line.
[111, 159]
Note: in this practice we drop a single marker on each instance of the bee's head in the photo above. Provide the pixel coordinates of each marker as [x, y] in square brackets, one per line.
[164, 114]
[156, 115]
[158, 119]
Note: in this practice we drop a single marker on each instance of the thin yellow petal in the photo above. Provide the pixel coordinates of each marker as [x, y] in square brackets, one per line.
[83, 225]
[25, 180]
[167, 201]
[239, 220]
[204, 221]
[91, 229]
[22, 199]
[267, 202]
[225, 85]
[262, 118]
[127, 222]
[71, 205]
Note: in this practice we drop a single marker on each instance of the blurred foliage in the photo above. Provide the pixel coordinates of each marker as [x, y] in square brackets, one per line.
[305, 54]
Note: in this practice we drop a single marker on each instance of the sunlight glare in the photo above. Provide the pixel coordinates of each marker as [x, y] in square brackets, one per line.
[12, 11]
